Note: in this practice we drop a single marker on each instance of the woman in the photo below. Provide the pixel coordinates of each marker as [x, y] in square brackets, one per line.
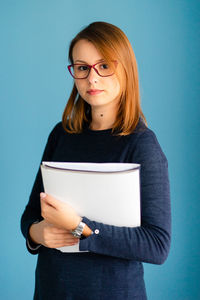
[102, 122]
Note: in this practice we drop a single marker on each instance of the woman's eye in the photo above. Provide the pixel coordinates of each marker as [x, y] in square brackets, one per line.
[104, 66]
[83, 68]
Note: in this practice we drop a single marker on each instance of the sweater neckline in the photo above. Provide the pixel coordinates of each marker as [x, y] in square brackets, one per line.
[87, 129]
[98, 132]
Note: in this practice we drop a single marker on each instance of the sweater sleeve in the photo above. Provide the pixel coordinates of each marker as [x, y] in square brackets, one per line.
[32, 212]
[151, 241]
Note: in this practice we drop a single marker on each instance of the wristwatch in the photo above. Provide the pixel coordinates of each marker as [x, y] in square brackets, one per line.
[79, 229]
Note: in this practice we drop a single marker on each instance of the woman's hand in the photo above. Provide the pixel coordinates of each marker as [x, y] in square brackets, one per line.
[51, 236]
[58, 213]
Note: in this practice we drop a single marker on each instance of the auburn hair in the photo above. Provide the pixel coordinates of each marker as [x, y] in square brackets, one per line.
[112, 43]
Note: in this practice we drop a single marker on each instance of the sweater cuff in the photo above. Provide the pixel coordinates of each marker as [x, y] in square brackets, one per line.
[84, 244]
[31, 246]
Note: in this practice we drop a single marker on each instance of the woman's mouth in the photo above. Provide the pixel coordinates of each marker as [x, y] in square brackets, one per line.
[94, 92]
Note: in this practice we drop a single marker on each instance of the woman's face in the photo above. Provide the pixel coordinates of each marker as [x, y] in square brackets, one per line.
[95, 90]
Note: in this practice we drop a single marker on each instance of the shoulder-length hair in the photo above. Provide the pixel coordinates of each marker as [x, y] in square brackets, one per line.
[112, 43]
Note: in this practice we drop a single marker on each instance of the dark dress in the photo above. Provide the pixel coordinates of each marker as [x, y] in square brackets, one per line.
[112, 269]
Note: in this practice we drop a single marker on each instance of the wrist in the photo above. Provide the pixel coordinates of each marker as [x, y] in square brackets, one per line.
[76, 223]
[87, 231]
[83, 230]
[32, 234]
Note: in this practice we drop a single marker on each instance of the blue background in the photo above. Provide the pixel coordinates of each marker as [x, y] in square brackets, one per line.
[35, 86]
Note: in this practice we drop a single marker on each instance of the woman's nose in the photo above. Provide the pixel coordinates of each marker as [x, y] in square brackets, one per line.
[93, 76]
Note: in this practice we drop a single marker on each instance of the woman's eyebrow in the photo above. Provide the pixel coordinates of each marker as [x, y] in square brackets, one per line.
[82, 61]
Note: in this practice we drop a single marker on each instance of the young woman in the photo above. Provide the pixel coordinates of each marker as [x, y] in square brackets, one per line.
[102, 122]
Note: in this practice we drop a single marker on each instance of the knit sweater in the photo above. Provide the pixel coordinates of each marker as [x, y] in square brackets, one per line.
[112, 268]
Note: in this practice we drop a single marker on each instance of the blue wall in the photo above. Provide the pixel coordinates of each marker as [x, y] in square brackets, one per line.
[35, 86]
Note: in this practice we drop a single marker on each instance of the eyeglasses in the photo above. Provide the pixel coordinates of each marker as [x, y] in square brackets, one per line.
[103, 69]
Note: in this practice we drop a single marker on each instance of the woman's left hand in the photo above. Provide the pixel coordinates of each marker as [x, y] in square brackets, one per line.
[58, 213]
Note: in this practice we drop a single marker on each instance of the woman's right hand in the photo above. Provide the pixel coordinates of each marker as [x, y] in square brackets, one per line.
[51, 236]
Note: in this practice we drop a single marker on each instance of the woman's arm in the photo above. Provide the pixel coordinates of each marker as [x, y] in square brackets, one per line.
[150, 242]
[32, 212]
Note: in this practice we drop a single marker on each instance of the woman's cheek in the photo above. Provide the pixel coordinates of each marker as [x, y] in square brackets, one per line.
[80, 89]
[78, 84]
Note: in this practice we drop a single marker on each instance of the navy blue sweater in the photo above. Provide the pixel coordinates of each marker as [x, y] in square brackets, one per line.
[112, 269]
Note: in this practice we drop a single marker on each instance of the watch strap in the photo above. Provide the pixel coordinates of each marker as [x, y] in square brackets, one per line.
[79, 230]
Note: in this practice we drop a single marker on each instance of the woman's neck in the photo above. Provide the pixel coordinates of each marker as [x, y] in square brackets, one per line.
[103, 118]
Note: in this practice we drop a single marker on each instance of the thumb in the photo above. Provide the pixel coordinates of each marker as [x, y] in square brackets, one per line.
[49, 199]
[43, 195]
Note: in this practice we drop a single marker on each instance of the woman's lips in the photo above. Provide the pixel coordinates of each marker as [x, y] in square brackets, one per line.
[94, 92]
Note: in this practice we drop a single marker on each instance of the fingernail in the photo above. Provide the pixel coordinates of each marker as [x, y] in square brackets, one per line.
[42, 195]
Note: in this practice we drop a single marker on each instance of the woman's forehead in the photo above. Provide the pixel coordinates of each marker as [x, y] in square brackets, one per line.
[85, 51]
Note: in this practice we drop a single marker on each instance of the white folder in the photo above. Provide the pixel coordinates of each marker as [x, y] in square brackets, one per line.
[104, 192]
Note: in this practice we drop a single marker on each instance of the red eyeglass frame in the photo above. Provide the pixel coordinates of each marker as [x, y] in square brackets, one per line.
[90, 67]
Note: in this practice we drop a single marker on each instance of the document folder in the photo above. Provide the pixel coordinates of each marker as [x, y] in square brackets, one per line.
[103, 192]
